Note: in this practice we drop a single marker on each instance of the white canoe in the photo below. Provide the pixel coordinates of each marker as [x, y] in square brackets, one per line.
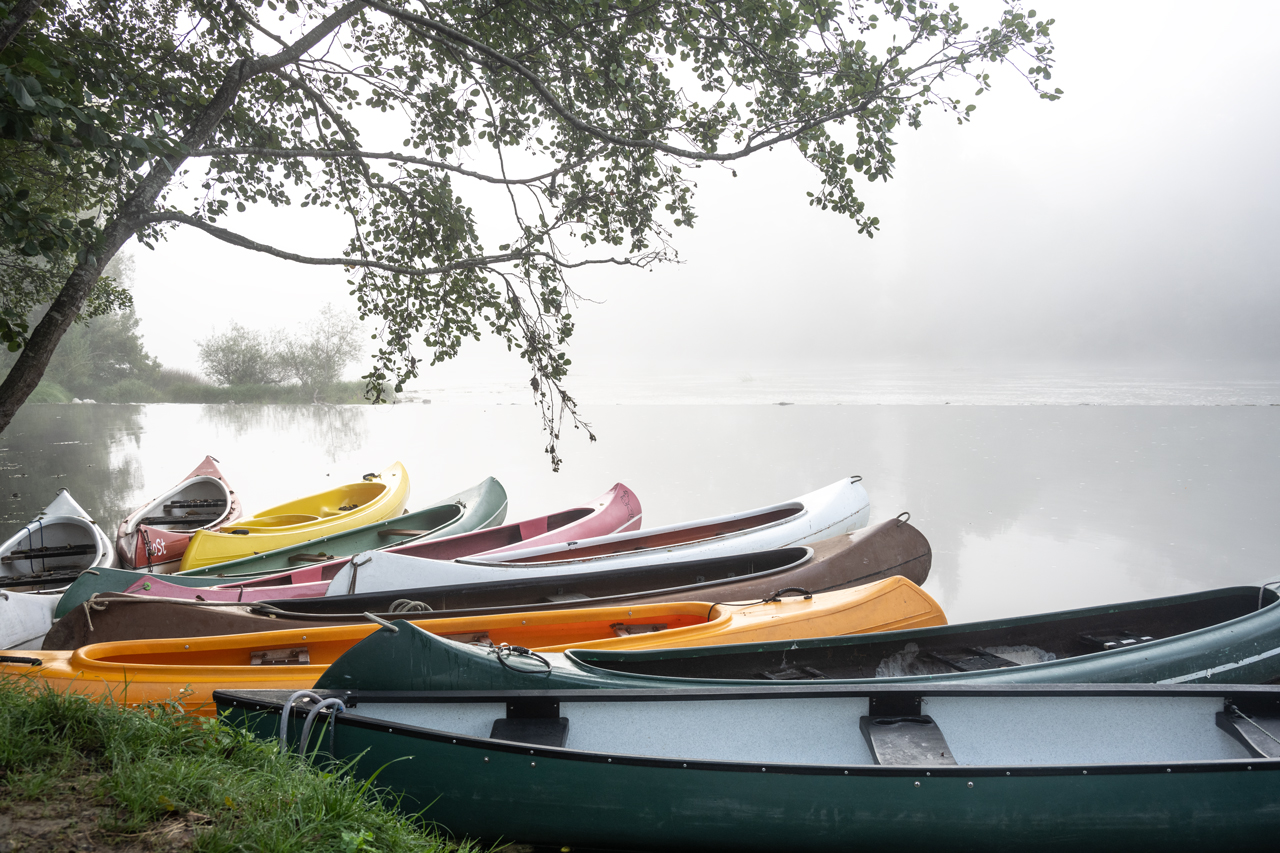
[61, 540]
[25, 617]
[839, 508]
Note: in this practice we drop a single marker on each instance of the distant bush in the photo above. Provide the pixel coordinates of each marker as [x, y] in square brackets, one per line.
[167, 378]
[315, 357]
[129, 391]
[49, 392]
[241, 356]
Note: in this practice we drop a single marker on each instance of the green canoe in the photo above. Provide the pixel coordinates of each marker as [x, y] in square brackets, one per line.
[1226, 635]
[775, 767]
[481, 506]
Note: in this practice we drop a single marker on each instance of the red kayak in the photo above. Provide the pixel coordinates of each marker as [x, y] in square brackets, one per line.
[616, 511]
[156, 534]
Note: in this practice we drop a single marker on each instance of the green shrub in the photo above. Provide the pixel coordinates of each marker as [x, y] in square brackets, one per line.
[49, 392]
[129, 391]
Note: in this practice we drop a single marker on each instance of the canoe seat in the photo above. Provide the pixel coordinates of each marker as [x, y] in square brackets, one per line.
[310, 558]
[1117, 640]
[532, 721]
[49, 553]
[904, 741]
[971, 660]
[563, 596]
[1259, 733]
[281, 657]
[789, 672]
[211, 503]
[197, 520]
[624, 630]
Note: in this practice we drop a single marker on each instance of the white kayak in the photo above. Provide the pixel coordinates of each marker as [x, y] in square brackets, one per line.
[62, 540]
[841, 507]
[25, 617]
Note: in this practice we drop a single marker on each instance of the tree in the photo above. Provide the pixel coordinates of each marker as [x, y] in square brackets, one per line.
[241, 356]
[103, 347]
[318, 355]
[587, 117]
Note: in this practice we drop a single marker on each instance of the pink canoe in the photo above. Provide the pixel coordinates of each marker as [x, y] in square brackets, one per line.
[616, 511]
[156, 534]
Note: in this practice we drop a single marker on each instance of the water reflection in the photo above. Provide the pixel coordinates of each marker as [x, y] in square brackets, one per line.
[50, 447]
[1028, 508]
[333, 429]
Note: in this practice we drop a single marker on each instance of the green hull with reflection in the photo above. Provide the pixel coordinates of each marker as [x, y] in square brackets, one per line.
[527, 793]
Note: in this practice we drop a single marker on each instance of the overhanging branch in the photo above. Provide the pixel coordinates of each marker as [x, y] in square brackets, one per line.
[244, 242]
[336, 153]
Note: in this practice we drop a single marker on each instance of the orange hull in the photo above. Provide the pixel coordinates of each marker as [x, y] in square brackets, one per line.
[187, 671]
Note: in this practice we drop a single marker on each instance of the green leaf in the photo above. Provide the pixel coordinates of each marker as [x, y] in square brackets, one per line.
[20, 94]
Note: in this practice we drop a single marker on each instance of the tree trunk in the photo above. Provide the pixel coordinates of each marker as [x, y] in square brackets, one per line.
[18, 15]
[27, 371]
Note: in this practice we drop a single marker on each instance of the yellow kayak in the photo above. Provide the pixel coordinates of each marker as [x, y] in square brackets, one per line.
[189, 670]
[375, 498]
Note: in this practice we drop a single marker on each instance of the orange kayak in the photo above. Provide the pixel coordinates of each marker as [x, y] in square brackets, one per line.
[187, 671]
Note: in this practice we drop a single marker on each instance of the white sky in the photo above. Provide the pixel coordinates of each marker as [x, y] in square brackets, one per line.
[1133, 220]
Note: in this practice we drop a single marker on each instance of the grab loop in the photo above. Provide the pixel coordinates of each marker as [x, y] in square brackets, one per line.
[408, 605]
[355, 568]
[332, 702]
[777, 596]
[305, 695]
[903, 518]
[504, 651]
[371, 476]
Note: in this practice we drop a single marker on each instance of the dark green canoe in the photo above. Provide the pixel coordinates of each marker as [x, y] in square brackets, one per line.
[1226, 635]
[816, 767]
[481, 506]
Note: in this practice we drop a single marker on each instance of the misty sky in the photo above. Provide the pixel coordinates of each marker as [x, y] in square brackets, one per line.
[1133, 221]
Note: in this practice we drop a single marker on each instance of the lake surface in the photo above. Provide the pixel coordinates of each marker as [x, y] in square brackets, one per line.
[1028, 508]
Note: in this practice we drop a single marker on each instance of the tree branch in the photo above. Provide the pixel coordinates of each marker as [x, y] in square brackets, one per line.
[335, 153]
[600, 133]
[245, 243]
[18, 16]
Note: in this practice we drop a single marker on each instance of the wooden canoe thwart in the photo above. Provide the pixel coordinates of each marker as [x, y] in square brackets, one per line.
[770, 767]
[156, 535]
[191, 667]
[881, 551]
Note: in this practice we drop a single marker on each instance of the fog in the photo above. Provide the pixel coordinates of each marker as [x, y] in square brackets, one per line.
[1131, 223]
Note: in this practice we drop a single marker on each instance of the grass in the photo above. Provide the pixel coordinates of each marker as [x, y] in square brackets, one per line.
[72, 769]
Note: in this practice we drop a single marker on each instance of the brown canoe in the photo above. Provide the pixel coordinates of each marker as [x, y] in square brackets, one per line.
[893, 547]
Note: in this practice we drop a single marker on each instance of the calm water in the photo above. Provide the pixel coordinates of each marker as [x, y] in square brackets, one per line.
[1029, 508]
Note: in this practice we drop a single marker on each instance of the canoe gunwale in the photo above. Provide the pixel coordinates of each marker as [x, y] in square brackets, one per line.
[281, 605]
[822, 503]
[584, 658]
[251, 703]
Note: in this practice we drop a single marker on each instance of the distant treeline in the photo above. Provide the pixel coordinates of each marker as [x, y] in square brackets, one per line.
[103, 359]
